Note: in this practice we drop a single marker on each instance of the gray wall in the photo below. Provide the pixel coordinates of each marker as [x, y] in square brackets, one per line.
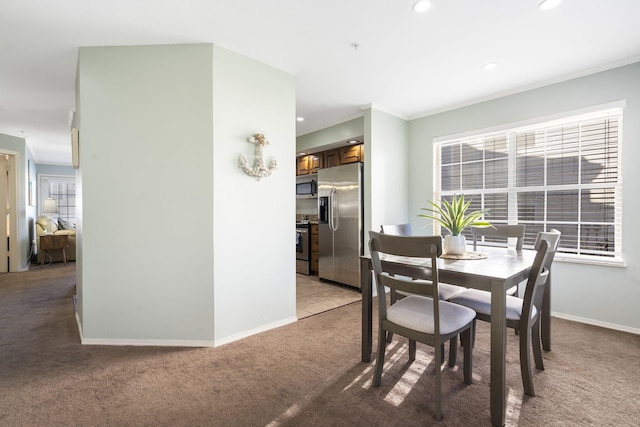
[596, 294]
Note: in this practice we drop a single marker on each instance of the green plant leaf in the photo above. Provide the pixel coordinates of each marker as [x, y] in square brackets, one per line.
[452, 215]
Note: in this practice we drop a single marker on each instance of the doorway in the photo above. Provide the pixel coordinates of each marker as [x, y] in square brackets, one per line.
[8, 218]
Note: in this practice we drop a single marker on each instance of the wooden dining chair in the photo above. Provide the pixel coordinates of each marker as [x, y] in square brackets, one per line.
[421, 316]
[523, 315]
[498, 233]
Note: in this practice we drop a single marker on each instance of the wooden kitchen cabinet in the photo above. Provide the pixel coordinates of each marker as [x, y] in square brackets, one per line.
[308, 164]
[302, 165]
[314, 249]
[315, 162]
[350, 154]
[331, 158]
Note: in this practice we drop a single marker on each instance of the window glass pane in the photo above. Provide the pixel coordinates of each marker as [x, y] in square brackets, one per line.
[562, 205]
[496, 173]
[496, 204]
[450, 153]
[450, 178]
[530, 171]
[600, 151]
[598, 205]
[496, 146]
[472, 176]
[471, 150]
[598, 238]
[531, 206]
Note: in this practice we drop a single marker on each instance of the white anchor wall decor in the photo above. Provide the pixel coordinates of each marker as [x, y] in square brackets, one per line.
[258, 170]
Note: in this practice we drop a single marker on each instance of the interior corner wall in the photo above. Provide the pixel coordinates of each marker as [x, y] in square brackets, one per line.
[386, 170]
[254, 220]
[578, 289]
[145, 253]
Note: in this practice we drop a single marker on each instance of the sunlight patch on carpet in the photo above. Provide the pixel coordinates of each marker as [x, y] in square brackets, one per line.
[514, 404]
[409, 378]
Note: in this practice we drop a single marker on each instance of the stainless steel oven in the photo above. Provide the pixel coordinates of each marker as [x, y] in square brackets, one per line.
[303, 249]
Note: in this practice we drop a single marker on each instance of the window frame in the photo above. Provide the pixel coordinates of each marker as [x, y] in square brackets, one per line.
[510, 131]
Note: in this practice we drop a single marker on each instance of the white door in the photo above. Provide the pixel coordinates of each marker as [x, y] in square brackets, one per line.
[8, 238]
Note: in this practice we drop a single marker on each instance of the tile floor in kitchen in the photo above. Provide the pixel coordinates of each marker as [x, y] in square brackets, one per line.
[314, 296]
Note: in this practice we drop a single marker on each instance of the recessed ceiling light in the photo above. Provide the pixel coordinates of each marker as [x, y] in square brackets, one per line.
[490, 66]
[353, 141]
[421, 6]
[548, 4]
[300, 119]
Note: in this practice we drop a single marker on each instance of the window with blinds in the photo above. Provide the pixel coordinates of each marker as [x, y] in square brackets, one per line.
[564, 174]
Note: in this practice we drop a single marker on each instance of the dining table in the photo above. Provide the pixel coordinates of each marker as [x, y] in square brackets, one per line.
[492, 269]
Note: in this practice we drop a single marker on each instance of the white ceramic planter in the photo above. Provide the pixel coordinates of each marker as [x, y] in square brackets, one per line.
[454, 245]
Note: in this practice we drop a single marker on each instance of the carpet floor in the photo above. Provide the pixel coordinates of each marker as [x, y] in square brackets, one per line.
[304, 374]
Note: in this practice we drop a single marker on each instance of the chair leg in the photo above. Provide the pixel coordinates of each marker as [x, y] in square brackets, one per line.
[473, 334]
[412, 350]
[465, 337]
[438, 366]
[525, 361]
[453, 351]
[382, 343]
[537, 347]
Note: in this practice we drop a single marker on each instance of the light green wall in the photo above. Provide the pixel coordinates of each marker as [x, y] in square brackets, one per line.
[254, 220]
[386, 165]
[340, 132]
[578, 289]
[146, 155]
[47, 169]
[200, 255]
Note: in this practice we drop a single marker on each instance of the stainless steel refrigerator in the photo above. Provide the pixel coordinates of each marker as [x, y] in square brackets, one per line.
[340, 234]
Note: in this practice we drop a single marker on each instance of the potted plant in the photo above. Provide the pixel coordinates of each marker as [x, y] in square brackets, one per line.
[453, 217]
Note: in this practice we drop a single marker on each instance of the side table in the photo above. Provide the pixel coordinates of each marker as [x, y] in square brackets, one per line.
[54, 241]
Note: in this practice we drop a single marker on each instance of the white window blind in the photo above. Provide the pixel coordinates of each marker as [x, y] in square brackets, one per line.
[563, 174]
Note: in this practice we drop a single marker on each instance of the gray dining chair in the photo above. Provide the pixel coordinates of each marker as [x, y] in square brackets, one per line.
[447, 291]
[523, 315]
[499, 233]
[421, 316]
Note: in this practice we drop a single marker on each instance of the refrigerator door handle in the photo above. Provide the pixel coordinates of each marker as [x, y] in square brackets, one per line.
[333, 216]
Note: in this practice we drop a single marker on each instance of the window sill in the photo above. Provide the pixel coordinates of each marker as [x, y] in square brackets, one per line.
[611, 262]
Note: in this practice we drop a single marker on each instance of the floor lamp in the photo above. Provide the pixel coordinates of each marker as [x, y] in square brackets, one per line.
[49, 208]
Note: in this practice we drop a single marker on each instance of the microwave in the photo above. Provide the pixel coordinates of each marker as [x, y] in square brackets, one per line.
[306, 189]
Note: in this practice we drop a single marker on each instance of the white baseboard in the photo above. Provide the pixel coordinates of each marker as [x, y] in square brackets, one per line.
[262, 328]
[181, 343]
[613, 326]
[157, 343]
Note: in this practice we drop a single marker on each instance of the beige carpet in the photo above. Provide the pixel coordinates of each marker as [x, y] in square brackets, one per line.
[304, 374]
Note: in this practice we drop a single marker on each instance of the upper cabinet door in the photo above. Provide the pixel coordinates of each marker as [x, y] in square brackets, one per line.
[315, 162]
[302, 165]
[350, 154]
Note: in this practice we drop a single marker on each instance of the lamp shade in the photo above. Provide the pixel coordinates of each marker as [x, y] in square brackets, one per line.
[49, 206]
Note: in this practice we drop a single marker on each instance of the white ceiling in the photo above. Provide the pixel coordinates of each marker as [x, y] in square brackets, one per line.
[406, 63]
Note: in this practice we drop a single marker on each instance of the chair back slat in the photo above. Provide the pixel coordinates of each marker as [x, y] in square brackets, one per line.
[504, 231]
[396, 229]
